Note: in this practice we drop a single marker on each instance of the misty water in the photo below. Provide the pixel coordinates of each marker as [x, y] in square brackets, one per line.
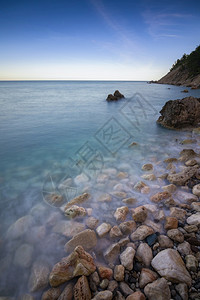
[63, 137]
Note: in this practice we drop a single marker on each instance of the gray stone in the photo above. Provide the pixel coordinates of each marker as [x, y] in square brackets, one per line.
[127, 257]
[39, 276]
[169, 264]
[191, 263]
[147, 276]
[23, 256]
[103, 229]
[144, 254]
[87, 239]
[165, 242]
[104, 295]
[194, 219]
[125, 289]
[182, 289]
[184, 248]
[158, 290]
[112, 253]
[119, 273]
[141, 233]
[175, 235]
[196, 190]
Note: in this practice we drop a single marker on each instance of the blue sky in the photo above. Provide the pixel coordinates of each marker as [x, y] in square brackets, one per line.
[95, 39]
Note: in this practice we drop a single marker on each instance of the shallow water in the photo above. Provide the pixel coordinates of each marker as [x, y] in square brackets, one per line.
[53, 131]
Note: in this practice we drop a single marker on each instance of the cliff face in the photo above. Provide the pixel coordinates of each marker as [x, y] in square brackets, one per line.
[186, 71]
[178, 77]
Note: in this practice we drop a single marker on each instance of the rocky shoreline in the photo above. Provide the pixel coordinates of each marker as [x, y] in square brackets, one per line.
[144, 251]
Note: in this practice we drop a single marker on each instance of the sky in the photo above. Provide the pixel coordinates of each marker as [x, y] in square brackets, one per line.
[95, 39]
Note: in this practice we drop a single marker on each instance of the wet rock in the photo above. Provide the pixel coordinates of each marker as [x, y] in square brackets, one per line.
[147, 276]
[184, 248]
[191, 228]
[152, 208]
[127, 257]
[169, 202]
[171, 223]
[191, 162]
[20, 227]
[169, 264]
[165, 242]
[127, 227]
[113, 285]
[54, 199]
[147, 167]
[196, 206]
[104, 295]
[136, 296]
[119, 273]
[112, 253]
[181, 177]
[151, 239]
[23, 256]
[180, 113]
[140, 185]
[104, 284]
[92, 222]
[67, 293]
[158, 290]
[75, 211]
[196, 190]
[194, 219]
[141, 233]
[78, 200]
[170, 188]
[68, 228]
[115, 232]
[150, 177]
[176, 235]
[121, 213]
[182, 289]
[51, 294]
[123, 242]
[77, 263]
[118, 296]
[116, 96]
[125, 289]
[39, 276]
[105, 272]
[160, 196]
[87, 239]
[156, 226]
[129, 200]
[178, 213]
[186, 197]
[144, 254]
[139, 214]
[81, 289]
[104, 198]
[191, 263]
[187, 154]
[103, 229]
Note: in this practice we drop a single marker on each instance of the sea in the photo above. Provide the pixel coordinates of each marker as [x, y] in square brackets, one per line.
[64, 138]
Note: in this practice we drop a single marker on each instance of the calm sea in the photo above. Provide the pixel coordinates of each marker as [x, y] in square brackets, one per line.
[53, 130]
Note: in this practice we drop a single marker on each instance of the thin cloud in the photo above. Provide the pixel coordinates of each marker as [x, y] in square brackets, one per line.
[164, 24]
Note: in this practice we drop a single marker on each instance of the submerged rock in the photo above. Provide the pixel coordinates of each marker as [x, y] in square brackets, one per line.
[182, 113]
[169, 264]
[20, 227]
[181, 177]
[23, 256]
[75, 211]
[87, 239]
[78, 200]
[39, 276]
[78, 263]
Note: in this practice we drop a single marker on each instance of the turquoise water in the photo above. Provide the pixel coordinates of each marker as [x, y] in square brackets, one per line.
[52, 129]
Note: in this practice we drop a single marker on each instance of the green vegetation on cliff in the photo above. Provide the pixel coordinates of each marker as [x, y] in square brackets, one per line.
[189, 63]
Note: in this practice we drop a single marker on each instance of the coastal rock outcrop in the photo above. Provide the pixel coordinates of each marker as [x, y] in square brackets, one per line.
[116, 96]
[180, 113]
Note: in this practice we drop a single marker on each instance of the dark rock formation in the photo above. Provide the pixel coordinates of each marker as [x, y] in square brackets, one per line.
[180, 113]
[116, 96]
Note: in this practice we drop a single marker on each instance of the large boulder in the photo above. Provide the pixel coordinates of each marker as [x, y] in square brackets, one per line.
[169, 264]
[180, 113]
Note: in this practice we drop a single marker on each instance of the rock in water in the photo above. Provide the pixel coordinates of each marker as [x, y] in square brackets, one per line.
[117, 95]
[181, 177]
[39, 276]
[78, 200]
[87, 239]
[180, 113]
[169, 264]
[77, 263]
[81, 289]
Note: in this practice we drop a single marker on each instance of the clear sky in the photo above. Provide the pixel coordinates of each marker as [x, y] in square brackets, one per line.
[95, 39]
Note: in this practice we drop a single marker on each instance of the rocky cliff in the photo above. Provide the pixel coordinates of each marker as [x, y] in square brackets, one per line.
[185, 71]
